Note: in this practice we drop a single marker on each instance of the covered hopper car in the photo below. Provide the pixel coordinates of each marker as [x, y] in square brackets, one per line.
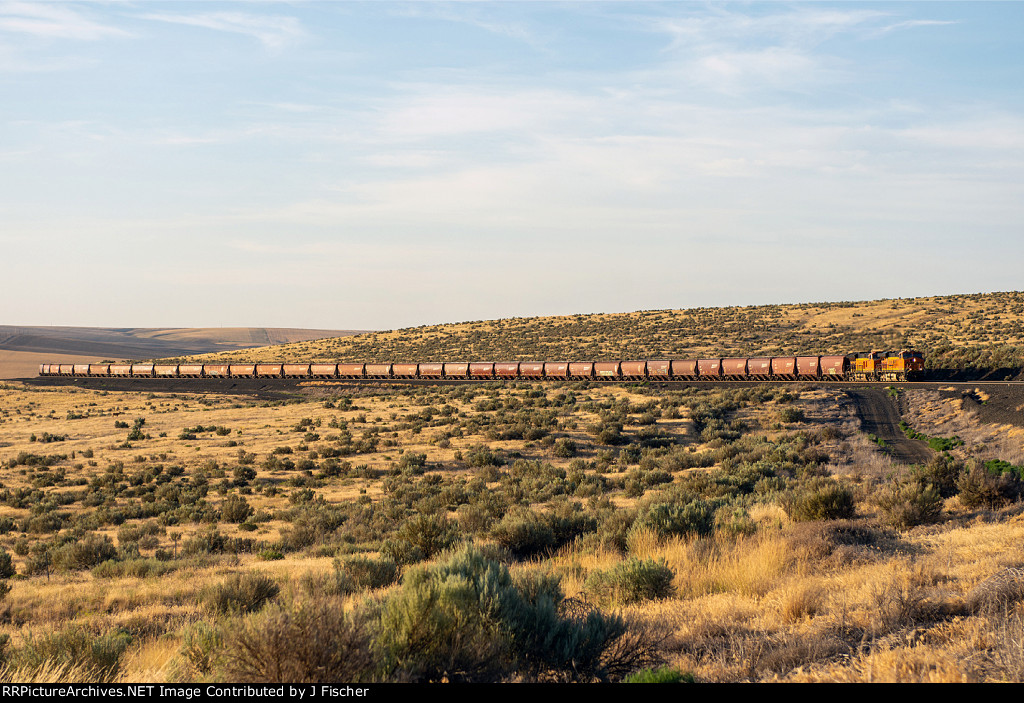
[864, 366]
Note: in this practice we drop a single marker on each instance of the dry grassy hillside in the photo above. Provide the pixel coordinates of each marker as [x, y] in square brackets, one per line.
[956, 331]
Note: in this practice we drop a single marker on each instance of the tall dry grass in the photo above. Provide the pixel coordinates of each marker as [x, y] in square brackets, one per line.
[750, 565]
[49, 672]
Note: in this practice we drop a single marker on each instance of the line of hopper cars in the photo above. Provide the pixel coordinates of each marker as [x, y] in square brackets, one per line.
[868, 366]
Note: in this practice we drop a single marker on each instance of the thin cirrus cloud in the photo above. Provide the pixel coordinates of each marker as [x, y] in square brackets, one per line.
[471, 16]
[53, 21]
[732, 52]
[273, 32]
[806, 27]
[914, 24]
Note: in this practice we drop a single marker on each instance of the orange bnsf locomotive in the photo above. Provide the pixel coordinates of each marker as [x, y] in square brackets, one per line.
[867, 366]
[887, 366]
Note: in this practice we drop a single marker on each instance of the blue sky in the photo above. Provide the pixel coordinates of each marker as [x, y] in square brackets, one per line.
[384, 164]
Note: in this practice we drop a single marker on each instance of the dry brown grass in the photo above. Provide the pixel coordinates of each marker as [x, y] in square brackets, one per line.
[937, 416]
[57, 673]
[790, 602]
[772, 608]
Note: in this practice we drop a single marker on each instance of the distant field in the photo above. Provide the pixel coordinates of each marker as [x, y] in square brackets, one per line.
[984, 331]
[22, 349]
[15, 364]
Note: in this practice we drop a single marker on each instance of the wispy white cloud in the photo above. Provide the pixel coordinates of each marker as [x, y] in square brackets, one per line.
[913, 24]
[805, 26]
[773, 67]
[53, 21]
[273, 31]
[732, 52]
[469, 14]
[738, 172]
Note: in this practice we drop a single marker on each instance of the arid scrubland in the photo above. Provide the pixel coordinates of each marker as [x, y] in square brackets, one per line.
[503, 533]
[972, 332]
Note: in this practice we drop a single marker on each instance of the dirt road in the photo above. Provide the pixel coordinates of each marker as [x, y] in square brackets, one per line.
[880, 417]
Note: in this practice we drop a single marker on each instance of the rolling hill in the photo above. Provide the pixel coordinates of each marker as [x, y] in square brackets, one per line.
[982, 331]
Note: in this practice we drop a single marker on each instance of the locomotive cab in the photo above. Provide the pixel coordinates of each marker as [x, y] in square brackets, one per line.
[902, 366]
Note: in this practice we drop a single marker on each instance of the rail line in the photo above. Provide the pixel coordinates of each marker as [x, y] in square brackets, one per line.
[874, 366]
[903, 367]
[240, 384]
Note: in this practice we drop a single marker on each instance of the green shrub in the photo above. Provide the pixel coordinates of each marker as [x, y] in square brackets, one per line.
[564, 448]
[474, 518]
[568, 520]
[213, 542]
[74, 646]
[613, 528]
[412, 463]
[735, 520]
[135, 568]
[362, 572]
[998, 466]
[909, 503]
[241, 593]
[401, 552]
[235, 509]
[944, 444]
[467, 619]
[820, 498]
[524, 533]
[314, 641]
[421, 537]
[480, 457]
[791, 415]
[696, 517]
[631, 581]
[436, 628]
[939, 444]
[981, 488]
[201, 646]
[90, 550]
[7, 569]
[665, 674]
[136, 532]
[943, 472]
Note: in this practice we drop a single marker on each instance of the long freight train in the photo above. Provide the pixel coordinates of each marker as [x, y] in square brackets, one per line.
[866, 366]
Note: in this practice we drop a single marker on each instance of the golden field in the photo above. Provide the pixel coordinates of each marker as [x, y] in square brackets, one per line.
[725, 535]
